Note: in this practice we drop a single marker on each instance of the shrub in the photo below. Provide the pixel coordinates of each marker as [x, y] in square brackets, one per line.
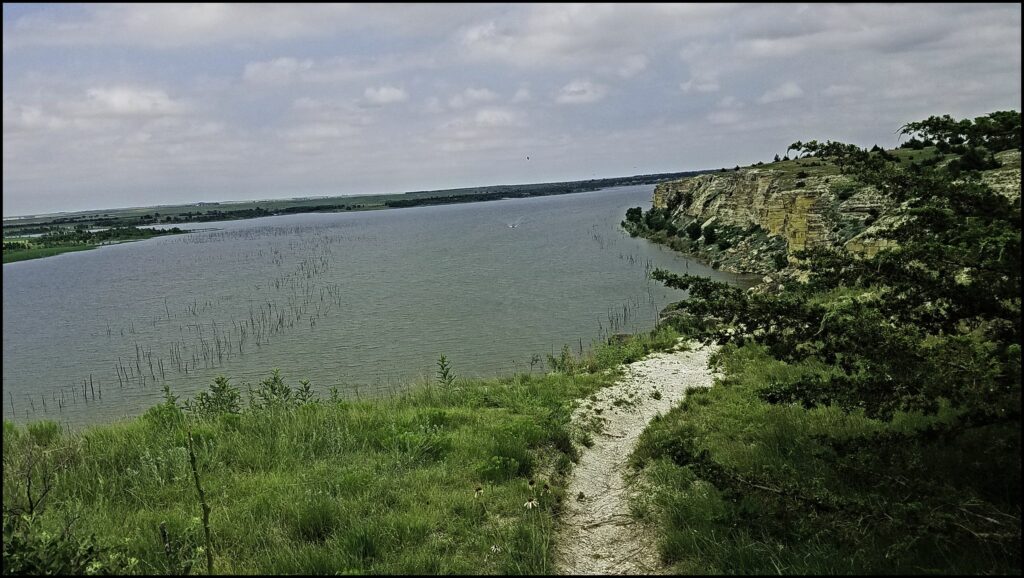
[273, 392]
[30, 550]
[693, 231]
[710, 235]
[222, 398]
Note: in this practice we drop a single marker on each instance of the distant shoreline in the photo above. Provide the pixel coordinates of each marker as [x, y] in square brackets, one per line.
[237, 210]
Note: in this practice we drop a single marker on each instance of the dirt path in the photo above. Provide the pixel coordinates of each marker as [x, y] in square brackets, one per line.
[598, 535]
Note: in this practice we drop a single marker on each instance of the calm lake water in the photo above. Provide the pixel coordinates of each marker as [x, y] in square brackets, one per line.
[361, 301]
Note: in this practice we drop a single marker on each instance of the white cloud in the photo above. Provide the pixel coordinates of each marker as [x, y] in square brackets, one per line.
[285, 91]
[581, 91]
[132, 101]
[522, 95]
[472, 96]
[613, 39]
[433, 105]
[169, 26]
[725, 117]
[385, 95]
[497, 117]
[633, 65]
[706, 83]
[287, 70]
[29, 117]
[785, 91]
[277, 71]
[840, 90]
[727, 111]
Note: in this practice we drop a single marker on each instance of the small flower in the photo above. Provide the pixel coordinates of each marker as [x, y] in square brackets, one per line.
[531, 483]
[547, 488]
[478, 492]
[495, 549]
[531, 504]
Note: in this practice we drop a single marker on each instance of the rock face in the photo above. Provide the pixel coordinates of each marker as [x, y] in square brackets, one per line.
[807, 212]
[765, 214]
[1005, 179]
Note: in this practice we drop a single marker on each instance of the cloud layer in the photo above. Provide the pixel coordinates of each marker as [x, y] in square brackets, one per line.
[127, 105]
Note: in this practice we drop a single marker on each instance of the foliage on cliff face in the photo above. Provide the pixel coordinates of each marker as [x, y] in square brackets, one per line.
[870, 418]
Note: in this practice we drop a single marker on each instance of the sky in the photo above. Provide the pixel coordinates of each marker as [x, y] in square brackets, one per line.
[135, 105]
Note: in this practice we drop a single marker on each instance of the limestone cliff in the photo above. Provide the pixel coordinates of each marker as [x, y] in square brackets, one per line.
[806, 211]
[769, 212]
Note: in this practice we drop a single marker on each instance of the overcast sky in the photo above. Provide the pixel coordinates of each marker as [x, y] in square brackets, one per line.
[129, 105]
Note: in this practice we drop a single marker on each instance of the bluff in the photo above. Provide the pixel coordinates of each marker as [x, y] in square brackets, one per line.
[764, 213]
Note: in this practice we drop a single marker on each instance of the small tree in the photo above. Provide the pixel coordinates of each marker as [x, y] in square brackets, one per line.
[635, 215]
[709, 234]
[445, 376]
[693, 230]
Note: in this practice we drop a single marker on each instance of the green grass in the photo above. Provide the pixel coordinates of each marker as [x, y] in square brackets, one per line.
[386, 486]
[40, 252]
[741, 486]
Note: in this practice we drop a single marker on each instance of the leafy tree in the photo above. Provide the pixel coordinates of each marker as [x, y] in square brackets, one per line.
[929, 326]
[693, 230]
[996, 131]
[222, 398]
[710, 235]
[634, 215]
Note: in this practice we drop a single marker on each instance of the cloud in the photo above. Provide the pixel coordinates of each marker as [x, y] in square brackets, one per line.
[581, 92]
[219, 100]
[171, 26]
[840, 90]
[277, 71]
[472, 96]
[633, 65]
[131, 101]
[785, 91]
[727, 111]
[522, 95]
[706, 83]
[382, 95]
[285, 71]
[497, 117]
[612, 39]
[725, 117]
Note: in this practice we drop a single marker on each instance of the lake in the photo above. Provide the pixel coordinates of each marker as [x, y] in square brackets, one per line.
[361, 301]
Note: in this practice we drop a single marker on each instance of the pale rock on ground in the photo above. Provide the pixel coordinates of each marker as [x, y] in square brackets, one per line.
[598, 535]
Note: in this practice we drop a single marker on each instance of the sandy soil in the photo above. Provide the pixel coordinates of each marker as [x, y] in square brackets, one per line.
[598, 535]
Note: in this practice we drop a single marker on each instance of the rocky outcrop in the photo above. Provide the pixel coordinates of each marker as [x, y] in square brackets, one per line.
[806, 211]
[1005, 179]
[762, 215]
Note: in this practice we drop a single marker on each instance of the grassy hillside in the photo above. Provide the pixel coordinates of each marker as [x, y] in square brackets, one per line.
[456, 476]
[868, 420]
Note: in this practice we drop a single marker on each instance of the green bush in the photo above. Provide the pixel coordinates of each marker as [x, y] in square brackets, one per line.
[869, 417]
[222, 398]
[31, 550]
[693, 231]
[710, 235]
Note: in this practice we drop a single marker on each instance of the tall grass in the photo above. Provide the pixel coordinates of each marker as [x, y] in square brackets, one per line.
[433, 480]
[741, 486]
